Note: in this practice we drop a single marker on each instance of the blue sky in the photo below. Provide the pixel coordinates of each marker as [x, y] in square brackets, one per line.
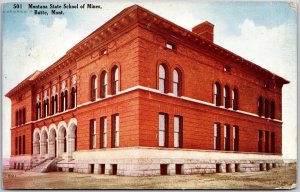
[264, 33]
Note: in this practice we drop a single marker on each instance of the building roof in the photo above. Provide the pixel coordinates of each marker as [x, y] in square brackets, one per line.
[133, 15]
[23, 83]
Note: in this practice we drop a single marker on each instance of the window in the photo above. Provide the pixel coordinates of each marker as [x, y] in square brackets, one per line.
[115, 80]
[62, 101]
[267, 141]
[54, 104]
[103, 84]
[17, 118]
[73, 97]
[103, 132]
[266, 108]
[24, 115]
[260, 140]
[235, 98]
[94, 88]
[66, 100]
[177, 83]
[163, 130]
[217, 94]
[260, 106]
[235, 138]
[272, 142]
[226, 97]
[226, 137]
[23, 144]
[178, 131]
[272, 114]
[217, 136]
[93, 134]
[20, 145]
[162, 78]
[16, 146]
[115, 130]
[38, 110]
[46, 107]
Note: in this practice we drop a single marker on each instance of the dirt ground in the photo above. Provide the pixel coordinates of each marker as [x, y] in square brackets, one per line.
[279, 178]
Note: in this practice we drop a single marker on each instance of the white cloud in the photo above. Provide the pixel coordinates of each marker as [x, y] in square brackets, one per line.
[276, 50]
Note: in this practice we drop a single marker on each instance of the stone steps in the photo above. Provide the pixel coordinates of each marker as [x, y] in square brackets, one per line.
[43, 166]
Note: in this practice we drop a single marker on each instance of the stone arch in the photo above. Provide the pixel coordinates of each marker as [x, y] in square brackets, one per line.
[72, 137]
[52, 141]
[62, 136]
[44, 142]
[36, 142]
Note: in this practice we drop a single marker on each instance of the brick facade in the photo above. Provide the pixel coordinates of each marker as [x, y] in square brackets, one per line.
[131, 53]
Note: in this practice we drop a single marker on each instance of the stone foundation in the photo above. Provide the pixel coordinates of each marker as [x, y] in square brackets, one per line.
[143, 161]
[23, 162]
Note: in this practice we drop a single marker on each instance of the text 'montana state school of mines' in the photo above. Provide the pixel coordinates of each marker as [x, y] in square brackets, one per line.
[142, 96]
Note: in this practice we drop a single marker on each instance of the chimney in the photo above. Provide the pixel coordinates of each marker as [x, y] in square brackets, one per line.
[205, 30]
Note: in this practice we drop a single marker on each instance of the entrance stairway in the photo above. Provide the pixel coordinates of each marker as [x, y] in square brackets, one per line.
[44, 166]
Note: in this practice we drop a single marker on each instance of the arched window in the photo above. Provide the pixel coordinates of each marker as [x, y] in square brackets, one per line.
[52, 105]
[162, 78]
[177, 82]
[226, 97]
[17, 118]
[20, 117]
[38, 110]
[235, 98]
[115, 80]
[46, 107]
[55, 103]
[93, 87]
[24, 115]
[260, 106]
[103, 84]
[73, 97]
[266, 108]
[66, 100]
[217, 94]
[272, 110]
[62, 105]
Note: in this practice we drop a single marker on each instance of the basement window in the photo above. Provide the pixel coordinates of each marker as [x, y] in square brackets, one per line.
[170, 45]
[163, 169]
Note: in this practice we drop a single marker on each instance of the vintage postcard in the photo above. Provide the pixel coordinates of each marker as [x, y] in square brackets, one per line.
[149, 95]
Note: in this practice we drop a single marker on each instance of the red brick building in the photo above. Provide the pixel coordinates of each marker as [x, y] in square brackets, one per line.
[143, 96]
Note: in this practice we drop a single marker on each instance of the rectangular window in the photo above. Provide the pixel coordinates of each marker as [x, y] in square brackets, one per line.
[272, 142]
[178, 125]
[16, 146]
[20, 145]
[260, 140]
[115, 130]
[103, 132]
[226, 137]
[93, 134]
[23, 144]
[163, 130]
[217, 136]
[267, 141]
[236, 138]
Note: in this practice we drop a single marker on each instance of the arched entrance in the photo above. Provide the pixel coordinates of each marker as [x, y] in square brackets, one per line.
[44, 143]
[62, 141]
[36, 144]
[72, 139]
[52, 143]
